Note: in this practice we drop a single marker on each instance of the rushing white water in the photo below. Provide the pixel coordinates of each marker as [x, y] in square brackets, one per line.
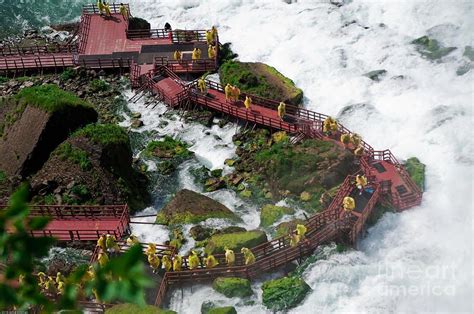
[416, 261]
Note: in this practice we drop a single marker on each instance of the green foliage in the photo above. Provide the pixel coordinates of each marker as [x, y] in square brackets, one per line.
[190, 218]
[232, 287]
[3, 176]
[99, 86]
[235, 241]
[168, 147]
[76, 155]
[416, 170]
[3, 79]
[270, 214]
[49, 98]
[223, 310]
[67, 75]
[121, 279]
[128, 308]
[226, 53]
[284, 293]
[104, 134]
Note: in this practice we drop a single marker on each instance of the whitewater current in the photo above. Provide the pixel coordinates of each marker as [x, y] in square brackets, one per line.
[416, 261]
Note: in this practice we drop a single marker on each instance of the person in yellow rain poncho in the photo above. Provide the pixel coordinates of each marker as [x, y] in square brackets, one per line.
[177, 55]
[196, 55]
[345, 139]
[60, 287]
[329, 126]
[214, 32]
[247, 102]
[101, 242]
[210, 261]
[193, 260]
[166, 261]
[100, 7]
[348, 203]
[103, 259]
[360, 182]
[42, 280]
[359, 151]
[107, 10]
[111, 244]
[301, 230]
[202, 85]
[211, 52]
[151, 249]
[228, 91]
[235, 93]
[209, 37]
[50, 285]
[229, 257]
[124, 11]
[177, 263]
[132, 240]
[154, 262]
[281, 110]
[248, 256]
[294, 239]
[355, 139]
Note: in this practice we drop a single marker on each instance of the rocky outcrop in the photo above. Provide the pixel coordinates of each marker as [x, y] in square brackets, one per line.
[133, 308]
[269, 214]
[235, 241]
[284, 293]
[232, 287]
[431, 48]
[39, 119]
[93, 166]
[191, 207]
[260, 79]
[416, 170]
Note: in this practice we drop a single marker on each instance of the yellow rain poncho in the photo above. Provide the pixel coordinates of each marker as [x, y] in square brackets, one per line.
[294, 239]
[154, 262]
[248, 256]
[301, 230]
[229, 257]
[193, 260]
[281, 110]
[210, 261]
[348, 203]
[177, 263]
[167, 264]
[247, 102]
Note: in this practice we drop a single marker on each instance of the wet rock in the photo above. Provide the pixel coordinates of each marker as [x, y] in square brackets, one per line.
[269, 214]
[376, 75]
[469, 53]
[200, 233]
[235, 241]
[136, 123]
[287, 227]
[431, 48]
[136, 115]
[284, 293]
[232, 287]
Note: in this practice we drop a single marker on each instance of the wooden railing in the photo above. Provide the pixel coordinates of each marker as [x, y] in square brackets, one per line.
[161, 250]
[35, 62]
[93, 9]
[185, 66]
[84, 29]
[112, 63]
[78, 211]
[148, 34]
[360, 223]
[9, 50]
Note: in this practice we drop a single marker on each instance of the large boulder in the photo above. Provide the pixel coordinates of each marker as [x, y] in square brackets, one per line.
[93, 166]
[431, 48]
[34, 122]
[269, 214]
[191, 207]
[284, 293]
[235, 241]
[223, 310]
[232, 287]
[260, 79]
[416, 170]
[127, 308]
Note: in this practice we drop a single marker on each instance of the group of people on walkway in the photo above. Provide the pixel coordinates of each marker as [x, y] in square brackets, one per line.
[50, 285]
[196, 54]
[349, 140]
[348, 203]
[105, 10]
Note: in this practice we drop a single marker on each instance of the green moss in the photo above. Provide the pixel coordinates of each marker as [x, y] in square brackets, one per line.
[253, 78]
[223, 310]
[67, 75]
[104, 134]
[99, 86]
[189, 218]
[417, 171]
[49, 98]
[76, 155]
[232, 287]
[284, 293]
[132, 308]
[431, 48]
[3, 79]
[168, 147]
[270, 214]
[287, 227]
[3, 176]
[235, 241]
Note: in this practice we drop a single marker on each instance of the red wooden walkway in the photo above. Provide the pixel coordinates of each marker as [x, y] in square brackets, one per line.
[106, 43]
[81, 223]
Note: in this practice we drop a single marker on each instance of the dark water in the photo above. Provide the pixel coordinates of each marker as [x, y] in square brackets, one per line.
[18, 15]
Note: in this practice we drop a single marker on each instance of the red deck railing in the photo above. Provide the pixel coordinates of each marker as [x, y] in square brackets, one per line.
[36, 62]
[93, 9]
[9, 50]
[187, 66]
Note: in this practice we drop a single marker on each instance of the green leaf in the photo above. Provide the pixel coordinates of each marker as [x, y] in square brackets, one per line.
[38, 223]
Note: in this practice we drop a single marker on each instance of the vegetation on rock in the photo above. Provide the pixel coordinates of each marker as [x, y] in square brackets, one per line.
[284, 293]
[104, 134]
[74, 154]
[431, 48]
[235, 241]
[223, 310]
[232, 287]
[269, 214]
[416, 170]
[261, 80]
[168, 148]
[128, 308]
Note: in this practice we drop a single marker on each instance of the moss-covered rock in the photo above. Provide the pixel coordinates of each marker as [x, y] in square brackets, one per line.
[223, 310]
[431, 48]
[235, 241]
[261, 80]
[284, 293]
[375, 75]
[269, 214]
[416, 170]
[232, 287]
[128, 308]
[305, 196]
[167, 148]
[191, 207]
